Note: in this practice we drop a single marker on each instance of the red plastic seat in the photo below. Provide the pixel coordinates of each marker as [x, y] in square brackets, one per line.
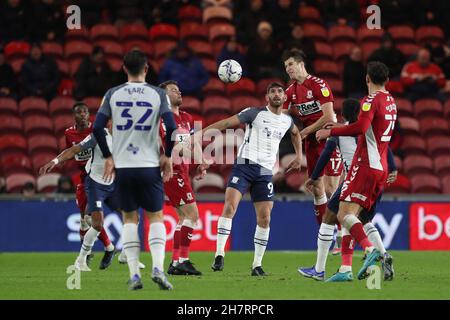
[112, 48]
[409, 125]
[190, 13]
[134, 31]
[163, 31]
[416, 164]
[214, 87]
[430, 34]
[221, 31]
[326, 68]
[433, 126]
[163, 48]
[144, 46]
[47, 182]
[104, 32]
[201, 48]
[61, 105]
[364, 34]
[446, 184]
[240, 103]
[33, 105]
[77, 49]
[63, 67]
[217, 14]
[37, 124]
[15, 182]
[53, 49]
[401, 185]
[324, 50]
[438, 145]
[62, 122]
[194, 31]
[341, 33]
[16, 162]
[42, 142]
[17, 49]
[17, 64]
[425, 183]
[115, 63]
[413, 145]
[402, 33]
[341, 50]
[191, 105]
[12, 142]
[315, 32]
[446, 109]
[408, 49]
[442, 165]
[404, 107]
[309, 14]
[216, 103]
[368, 48]
[8, 106]
[261, 85]
[41, 158]
[10, 124]
[93, 103]
[210, 65]
[77, 34]
[428, 108]
[243, 86]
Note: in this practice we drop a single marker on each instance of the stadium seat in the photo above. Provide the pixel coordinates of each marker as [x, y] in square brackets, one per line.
[239, 103]
[337, 86]
[446, 109]
[408, 49]
[93, 103]
[214, 115]
[62, 143]
[15, 182]
[429, 35]
[77, 49]
[212, 104]
[324, 50]
[364, 34]
[115, 63]
[65, 87]
[217, 14]
[16, 49]
[33, 124]
[221, 31]
[214, 87]
[41, 158]
[198, 118]
[413, 145]
[368, 48]
[309, 14]
[401, 185]
[77, 34]
[12, 142]
[438, 145]
[201, 48]
[315, 31]
[428, 108]
[210, 66]
[190, 13]
[163, 31]
[10, 123]
[133, 31]
[402, 33]
[33, 105]
[341, 50]
[163, 48]
[341, 33]
[211, 183]
[62, 122]
[434, 126]
[53, 49]
[425, 183]
[16, 162]
[144, 46]
[48, 182]
[194, 31]
[409, 125]
[404, 107]
[17, 64]
[74, 64]
[8, 106]
[398, 163]
[42, 142]
[104, 32]
[442, 165]
[261, 85]
[445, 181]
[191, 105]
[112, 48]
[415, 164]
[61, 105]
[326, 68]
[63, 67]
[245, 86]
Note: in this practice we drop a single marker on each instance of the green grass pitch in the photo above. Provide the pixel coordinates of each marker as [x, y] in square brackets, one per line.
[419, 275]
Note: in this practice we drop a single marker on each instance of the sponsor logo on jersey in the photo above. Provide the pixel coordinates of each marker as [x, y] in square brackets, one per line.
[308, 108]
[325, 92]
[366, 106]
[83, 155]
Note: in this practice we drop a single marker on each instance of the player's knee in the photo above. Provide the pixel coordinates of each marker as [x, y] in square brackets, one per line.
[264, 222]
[229, 209]
[97, 221]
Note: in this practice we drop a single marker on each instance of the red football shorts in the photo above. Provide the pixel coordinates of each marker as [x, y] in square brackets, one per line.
[178, 190]
[81, 198]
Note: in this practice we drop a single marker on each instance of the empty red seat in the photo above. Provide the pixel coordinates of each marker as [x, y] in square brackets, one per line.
[326, 68]
[429, 34]
[10, 124]
[438, 145]
[309, 14]
[15, 182]
[201, 48]
[112, 48]
[409, 125]
[104, 32]
[368, 48]
[47, 182]
[63, 67]
[216, 103]
[408, 49]
[134, 31]
[93, 103]
[401, 185]
[33, 105]
[16, 162]
[115, 63]
[413, 145]
[434, 126]
[337, 86]
[210, 65]
[41, 158]
[37, 124]
[191, 105]
[8, 106]
[214, 87]
[341, 33]
[190, 13]
[61, 122]
[428, 107]
[214, 116]
[53, 49]
[61, 105]
[77, 49]
[163, 31]
[442, 165]
[77, 34]
[341, 50]
[364, 34]
[323, 49]
[402, 33]
[425, 183]
[243, 86]
[12, 142]
[446, 184]
[404, 107]
[415, 164]
[240, 103]
[315, 32]
[163, 48]
[217, 14]
[144, 46]
[447, 109]
[42, 142]
[17, 49]
[221, 31]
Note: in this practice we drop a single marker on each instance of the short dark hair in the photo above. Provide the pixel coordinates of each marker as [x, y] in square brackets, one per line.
[350, 109]
[378, 72]
[297, 54]
[135, 62]
[79, 104]
[274, 85]
[164, 84]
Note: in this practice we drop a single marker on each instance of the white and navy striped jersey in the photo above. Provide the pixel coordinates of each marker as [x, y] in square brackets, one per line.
[263, 133]
[135, 109]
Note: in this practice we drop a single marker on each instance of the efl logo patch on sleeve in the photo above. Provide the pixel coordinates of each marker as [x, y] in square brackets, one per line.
[366, 106]
[325, 92]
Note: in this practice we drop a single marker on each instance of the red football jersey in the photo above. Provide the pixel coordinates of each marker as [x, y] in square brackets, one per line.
[308, 97]
[73, 137]
[185, 127]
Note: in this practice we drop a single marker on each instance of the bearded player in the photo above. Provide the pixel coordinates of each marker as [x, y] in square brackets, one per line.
[74, 135]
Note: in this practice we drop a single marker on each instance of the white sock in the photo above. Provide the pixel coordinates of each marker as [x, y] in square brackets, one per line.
[131, 247]
[157, 243]
[88, 242]
[260, 240]
[374, 237]
[344, 269]
[109, 247]
[324, 240]
[320, 200]
[223, 231]
[84, 224]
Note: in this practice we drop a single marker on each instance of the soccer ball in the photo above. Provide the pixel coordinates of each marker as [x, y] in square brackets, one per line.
[230, 71]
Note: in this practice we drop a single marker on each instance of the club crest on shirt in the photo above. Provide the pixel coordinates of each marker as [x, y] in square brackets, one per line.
[309, 94]
[325, 92]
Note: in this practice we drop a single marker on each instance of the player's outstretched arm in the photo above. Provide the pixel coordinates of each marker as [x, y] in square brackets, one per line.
[328, 116]
[67, 154]
[297, 143]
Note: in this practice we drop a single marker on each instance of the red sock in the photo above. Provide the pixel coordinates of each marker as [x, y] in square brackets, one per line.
[176, 245]
[339, 226]
[347, 250]
[185, 241]
[360, 236]
[103, 236]
[319, 210]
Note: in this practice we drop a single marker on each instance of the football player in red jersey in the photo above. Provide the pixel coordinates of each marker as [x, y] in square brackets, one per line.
[369, 170]
[178, 189]
[310, 100]
[74, 135]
